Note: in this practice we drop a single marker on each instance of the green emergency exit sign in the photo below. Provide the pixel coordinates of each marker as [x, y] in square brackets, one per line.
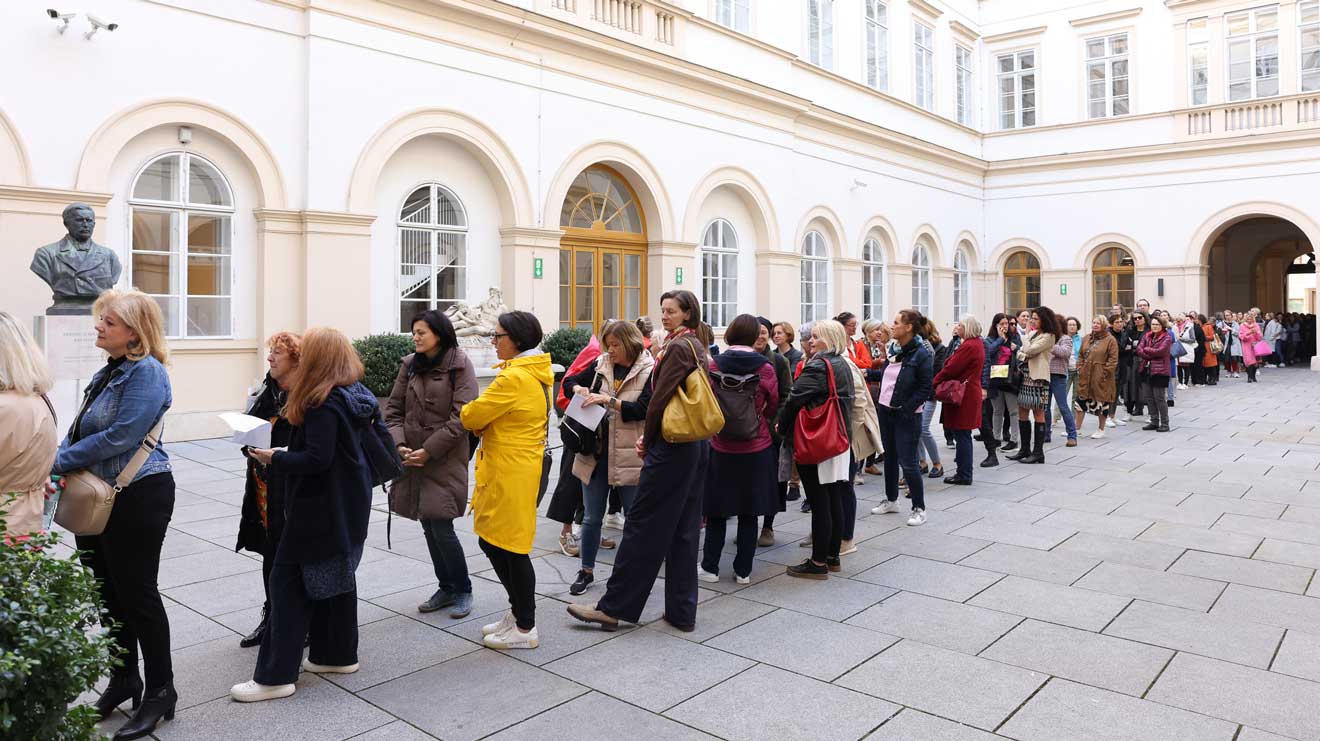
[538, 268]
[1063, 289]
[678, 276]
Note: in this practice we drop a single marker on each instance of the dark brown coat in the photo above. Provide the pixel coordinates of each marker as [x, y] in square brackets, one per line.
[423, 412]
[1096, 369]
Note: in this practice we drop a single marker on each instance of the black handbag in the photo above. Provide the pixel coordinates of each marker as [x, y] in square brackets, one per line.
[575, 437]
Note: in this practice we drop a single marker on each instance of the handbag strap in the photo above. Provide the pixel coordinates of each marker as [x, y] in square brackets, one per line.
[51, 407]
[139, 459]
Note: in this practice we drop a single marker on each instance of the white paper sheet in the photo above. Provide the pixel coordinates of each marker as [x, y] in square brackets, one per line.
[248, 430]
[588, 417]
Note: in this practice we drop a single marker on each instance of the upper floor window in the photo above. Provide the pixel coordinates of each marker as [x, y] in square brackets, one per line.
[1253, 53]
[181, 245]
[1308, 17]
[719, 274]
[735, 14]
[923, 61]
[432, 252]
[1017, 89]
[962, 284]
[921, 279]
[815, 283]
[1198, 62]
[1107, 76]
[962, 65]
[877, 45]
[820, 32]
[873, 280]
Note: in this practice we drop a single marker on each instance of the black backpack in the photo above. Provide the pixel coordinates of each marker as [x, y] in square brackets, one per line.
[378, 448]
[737, 397]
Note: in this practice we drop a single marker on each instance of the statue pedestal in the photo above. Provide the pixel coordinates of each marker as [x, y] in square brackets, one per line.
[479, 351]
[71, 351]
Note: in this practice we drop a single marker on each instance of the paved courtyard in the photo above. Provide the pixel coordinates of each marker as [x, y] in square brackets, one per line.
[1146, 586]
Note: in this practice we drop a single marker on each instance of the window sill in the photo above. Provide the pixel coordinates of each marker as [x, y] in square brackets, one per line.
[213, 346]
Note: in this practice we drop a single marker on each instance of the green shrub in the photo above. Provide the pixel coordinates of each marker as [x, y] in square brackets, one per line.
[381, 355]
[51, 646]
[565, 344]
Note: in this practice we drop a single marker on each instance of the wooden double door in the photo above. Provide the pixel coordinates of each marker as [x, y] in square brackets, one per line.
[600, 281]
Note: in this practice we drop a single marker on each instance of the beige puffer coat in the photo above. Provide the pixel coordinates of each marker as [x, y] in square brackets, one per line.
[625, 468]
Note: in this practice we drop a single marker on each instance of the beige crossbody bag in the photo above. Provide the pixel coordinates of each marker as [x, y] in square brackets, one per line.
[86, 499]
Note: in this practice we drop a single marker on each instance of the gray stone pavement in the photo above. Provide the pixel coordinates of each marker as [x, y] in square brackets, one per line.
[1144, 586]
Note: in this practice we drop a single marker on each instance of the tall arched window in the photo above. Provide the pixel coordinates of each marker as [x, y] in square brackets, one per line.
[962, 284]
[719, 273]
[432, 252]
[921, 279]
[873, 280]
[815, 282]
[182, 212]
[1021, 282]
[1112, 280]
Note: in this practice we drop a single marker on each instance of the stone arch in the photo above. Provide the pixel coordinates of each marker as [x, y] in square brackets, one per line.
[933, 244]
[754, 198]
[15, 168]
[105, 144]
[824, 218]
[481, 142]
[1086, 255]
[1008, 247]
[1198, 250]
[634, 167]
[879, 226]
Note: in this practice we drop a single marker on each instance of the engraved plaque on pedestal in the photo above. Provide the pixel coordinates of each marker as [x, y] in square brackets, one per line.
[70, 344]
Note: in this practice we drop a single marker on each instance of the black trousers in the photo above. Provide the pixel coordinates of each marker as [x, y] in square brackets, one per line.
[664, 526]
[717, 531]
[328, 627]
[827, 519]
[125, 558]
[519, 579]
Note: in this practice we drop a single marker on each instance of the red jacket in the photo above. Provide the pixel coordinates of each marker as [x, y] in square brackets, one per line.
[964, 365]
[860, 355]
[1154, 353]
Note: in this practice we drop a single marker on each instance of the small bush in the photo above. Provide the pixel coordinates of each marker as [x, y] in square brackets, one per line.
[381, 355]
[52, 648]
[565, 344]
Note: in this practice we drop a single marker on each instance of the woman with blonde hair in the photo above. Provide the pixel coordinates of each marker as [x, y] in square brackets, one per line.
[121, 407]
[328, 483]
[1097, 364]
[28, 438]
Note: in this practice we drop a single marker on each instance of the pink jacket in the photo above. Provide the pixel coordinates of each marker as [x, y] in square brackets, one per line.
[1154, 352]
[1249, 332]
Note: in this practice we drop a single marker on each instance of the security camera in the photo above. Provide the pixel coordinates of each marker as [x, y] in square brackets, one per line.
[58, 16]
[97, 25]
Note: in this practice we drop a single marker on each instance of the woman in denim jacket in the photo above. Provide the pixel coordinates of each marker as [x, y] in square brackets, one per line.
[123, 403]
[905, 388]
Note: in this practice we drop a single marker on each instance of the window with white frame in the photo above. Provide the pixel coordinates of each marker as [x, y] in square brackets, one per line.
[1198, 61]
[962, 284]
[1253, 53]
[815, 282]
[1308, 19]
[877, 45]
[735, 14]
[962, 65]
[719, 273]
[873, 280]
[182, 215]
[1107, 76]
[432, 252]
[820, 33]
[1017, 89]
[921, 279]
[923, 69]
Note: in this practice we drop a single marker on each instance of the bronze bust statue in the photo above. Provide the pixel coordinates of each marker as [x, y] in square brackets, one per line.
[76, 268]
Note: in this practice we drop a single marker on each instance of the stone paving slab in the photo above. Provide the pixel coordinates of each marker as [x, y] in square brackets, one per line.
[1155, 556]
[1269, 607]
[835, 599]
[1202, 539]
[1055, 566]
[1244, 571]
[1100, 661]
[1271, 702]
[319, 711]
[1153, 586]
[599, 716]
[1079, 608]
[914, 724]
[1217, 636]
[937, 622]
[829, 649]
[1299, 655]
[933, 578]
[1067, 710]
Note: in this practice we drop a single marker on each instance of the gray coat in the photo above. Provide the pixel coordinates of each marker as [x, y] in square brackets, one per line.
[423, 412]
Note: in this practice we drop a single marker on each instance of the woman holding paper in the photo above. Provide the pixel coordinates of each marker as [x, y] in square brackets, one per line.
[620, 382]
[262, 519]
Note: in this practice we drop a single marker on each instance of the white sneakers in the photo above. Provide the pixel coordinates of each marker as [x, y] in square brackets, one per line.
[504, 624]
[1182, 387]
[614, 521]
[742, 579]
[308, 666]
[858, 480]
[1119, 421]
[251, 691]
[706, 576]
[918, 517]
[886, 508]
[847, 547]
[512, 638]
[1098, 435]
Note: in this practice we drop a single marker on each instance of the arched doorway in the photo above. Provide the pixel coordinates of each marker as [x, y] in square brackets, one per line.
[1113, 281]
[1248, 263]
[602, 256]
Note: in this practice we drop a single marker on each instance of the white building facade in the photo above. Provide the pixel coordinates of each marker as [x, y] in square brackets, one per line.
[275, 164]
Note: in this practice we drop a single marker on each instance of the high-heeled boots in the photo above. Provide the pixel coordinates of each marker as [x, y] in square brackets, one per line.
[1024, 432]
[1038, 449]
[124, 685]
[157, 705]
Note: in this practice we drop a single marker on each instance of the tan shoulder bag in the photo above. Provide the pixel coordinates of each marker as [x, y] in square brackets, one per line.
[86, 499]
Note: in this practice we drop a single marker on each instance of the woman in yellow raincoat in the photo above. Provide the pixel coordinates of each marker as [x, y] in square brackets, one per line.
[510, 416]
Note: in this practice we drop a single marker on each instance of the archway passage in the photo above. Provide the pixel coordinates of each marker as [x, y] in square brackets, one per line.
[602, 256]
[1248, 262]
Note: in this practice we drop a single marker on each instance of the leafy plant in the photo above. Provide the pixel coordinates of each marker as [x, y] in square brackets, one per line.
[565, 344]
[381, 356]
[52, 648]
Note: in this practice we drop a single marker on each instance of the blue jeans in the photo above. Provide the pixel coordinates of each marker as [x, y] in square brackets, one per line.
[962, 454]
[900, 432]
[1173, 383]
[447, 556]
[595, 497]
[928, 449]
[1059, 390]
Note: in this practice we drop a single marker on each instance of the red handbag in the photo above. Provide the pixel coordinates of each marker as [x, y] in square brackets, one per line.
[950, 392]
[819, 434]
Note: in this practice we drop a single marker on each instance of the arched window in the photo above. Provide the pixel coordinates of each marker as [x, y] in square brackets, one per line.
[181, 246]
[815, 282]
[432, 252]
[962, 284]
[873, 280]
[719, 273]
[921, 279]
[1112, 280]
[1021, 282]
